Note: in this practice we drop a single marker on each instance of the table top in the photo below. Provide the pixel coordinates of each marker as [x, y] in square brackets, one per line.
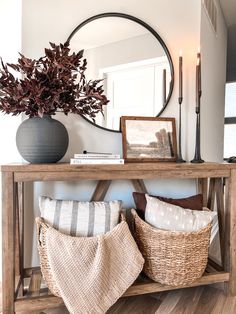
[155, 166]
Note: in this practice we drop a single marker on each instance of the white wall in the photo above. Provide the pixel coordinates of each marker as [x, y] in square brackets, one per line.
[214, 52]
[179, 27]
[10, 45]
[178, 23]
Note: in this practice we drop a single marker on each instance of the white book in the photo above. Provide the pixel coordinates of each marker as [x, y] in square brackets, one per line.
[97, 156]
[92, 161]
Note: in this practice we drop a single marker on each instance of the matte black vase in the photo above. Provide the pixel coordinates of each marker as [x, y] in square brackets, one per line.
[42, 140]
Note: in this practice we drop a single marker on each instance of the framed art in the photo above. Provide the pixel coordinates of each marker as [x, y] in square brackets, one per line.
[148, 139]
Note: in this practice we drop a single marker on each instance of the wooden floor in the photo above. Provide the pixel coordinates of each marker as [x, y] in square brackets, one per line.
[200, 300]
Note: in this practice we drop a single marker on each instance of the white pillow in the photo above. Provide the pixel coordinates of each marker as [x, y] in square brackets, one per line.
[80, 218]
[175, 218]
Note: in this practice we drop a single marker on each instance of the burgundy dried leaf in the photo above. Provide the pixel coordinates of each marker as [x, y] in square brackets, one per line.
[49, 53]
[53, 82]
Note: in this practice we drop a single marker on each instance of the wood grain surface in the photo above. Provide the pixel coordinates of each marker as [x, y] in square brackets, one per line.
[199, 300]
[35, 301]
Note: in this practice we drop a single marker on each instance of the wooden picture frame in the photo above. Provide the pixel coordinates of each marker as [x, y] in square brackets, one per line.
[148, 139]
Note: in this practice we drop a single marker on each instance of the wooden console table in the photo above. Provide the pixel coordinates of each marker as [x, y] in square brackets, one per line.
[217, 182]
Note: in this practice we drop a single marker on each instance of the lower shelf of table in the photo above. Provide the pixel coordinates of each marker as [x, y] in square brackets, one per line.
[37, 297]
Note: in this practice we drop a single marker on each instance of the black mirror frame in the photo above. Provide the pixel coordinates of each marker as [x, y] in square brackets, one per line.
[151, 30]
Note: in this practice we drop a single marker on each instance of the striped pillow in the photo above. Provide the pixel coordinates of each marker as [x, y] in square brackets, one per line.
[80, 218]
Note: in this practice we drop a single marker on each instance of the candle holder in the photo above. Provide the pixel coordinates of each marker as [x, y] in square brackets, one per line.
[164, 87]
[179, 157]
[197, 157]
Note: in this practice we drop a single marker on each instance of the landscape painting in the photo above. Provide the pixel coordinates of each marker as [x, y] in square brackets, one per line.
[148, 139]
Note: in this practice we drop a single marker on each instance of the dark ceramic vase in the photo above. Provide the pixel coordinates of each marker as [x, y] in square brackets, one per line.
[42, 140]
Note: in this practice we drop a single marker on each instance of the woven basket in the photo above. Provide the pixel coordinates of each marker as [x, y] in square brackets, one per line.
[171, 257]
[44, 264]
[42, 249]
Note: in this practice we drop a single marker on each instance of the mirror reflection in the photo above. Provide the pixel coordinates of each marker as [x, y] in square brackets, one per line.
[134, 65]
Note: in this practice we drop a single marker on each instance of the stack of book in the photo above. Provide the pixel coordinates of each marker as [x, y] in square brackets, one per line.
[96, 158]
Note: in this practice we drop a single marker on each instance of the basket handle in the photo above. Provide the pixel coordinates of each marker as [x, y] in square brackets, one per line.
[122, 216]
[134, 213]
[134, 216]
[39, 225]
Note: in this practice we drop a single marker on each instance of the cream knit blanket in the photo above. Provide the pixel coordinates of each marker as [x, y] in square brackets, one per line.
[90, 274]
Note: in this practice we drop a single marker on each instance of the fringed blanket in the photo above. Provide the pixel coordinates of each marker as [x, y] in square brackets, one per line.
[90, 274]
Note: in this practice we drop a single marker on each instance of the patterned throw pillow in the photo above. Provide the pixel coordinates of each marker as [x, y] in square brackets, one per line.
[80, 218]
[171, 217]
[192, 202]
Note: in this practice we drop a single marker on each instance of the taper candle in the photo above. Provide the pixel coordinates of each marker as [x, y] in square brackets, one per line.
[180, 74]
[199, 72]
[197, 85]
[179, 157]
[164, 86]
[197, 157]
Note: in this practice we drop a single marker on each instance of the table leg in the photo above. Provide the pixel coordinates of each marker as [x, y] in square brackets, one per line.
[229, 261]
[21, 224]
[203, 189]
[8, 236]
[19, 234]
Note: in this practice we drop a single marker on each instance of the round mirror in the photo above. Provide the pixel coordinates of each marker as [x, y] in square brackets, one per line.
[132, 60]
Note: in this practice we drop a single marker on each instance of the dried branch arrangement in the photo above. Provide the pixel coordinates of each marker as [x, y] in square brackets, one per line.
[54, 82]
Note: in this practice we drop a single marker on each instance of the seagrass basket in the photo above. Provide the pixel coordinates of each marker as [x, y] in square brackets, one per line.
[44, 263]
[171, 257]
[42, 249]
